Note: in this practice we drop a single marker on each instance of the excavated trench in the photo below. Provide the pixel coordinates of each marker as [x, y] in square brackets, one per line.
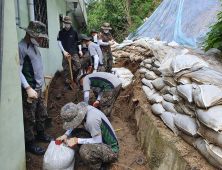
[145, 141]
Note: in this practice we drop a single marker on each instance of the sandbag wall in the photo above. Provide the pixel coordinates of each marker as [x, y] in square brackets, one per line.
[184, 87]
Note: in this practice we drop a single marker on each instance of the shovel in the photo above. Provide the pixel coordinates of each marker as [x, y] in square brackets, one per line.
[73, 85]
[48, 120]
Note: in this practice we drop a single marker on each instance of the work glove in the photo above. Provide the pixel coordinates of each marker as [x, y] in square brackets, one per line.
[71, 142]
[111, 42]
[96, 104]
[80, 53]
[89, 70]
[94, 71]
[61, 139]
[32, 95]
[66, 54]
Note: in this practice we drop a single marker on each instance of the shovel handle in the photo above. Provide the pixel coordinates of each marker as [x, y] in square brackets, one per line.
[70, 67]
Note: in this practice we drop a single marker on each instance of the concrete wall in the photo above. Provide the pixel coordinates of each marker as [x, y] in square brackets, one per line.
[12, 149]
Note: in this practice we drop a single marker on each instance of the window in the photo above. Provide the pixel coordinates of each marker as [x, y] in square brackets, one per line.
[40, 8]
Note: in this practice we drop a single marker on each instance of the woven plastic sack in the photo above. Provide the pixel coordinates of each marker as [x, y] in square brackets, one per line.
[186, 109]
[184, 80]
[143, 71]
[147, 61]
[200, 145]
[182, 62]
[211, 118]
[158, 83]
[155, 98]
[186, 91]
[147, 83]
[186, 124]
[173, 91]
[148, 91]
[151, 75]
[215, 152]
[157, 109]
[156, 70]
[148, 66]
[165, 90]
[167, 118]
[188, 139]
[210, 135]
[170, 107]
[169, 81]
[170, 98]
[207, 95]
[58, 157]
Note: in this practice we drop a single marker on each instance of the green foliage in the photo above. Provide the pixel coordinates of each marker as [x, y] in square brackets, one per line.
[124, 16]
[214, 39]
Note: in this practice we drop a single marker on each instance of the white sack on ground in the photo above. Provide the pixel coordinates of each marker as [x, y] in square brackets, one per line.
[148, 91]
[205, 75]
[200, 144]
[186, 124]
[182, 62]
[210, 135]
[143, 71]
[173, 44]
[147, 83]
[58, 157]
[156, 71]
[169, 81]
[155, 98]
[142, 64]
[215, 152]
[147, 61]
[184, 80]
[158, 83]
[151, 75]
[207, 95]
[170, 107]
[156, 64]
[186, 91]
[167, 118]
[165, 90]
[188, 139]
[186, 109]
[212, 117]
[157, 109]
[170, 98]
[148, 66]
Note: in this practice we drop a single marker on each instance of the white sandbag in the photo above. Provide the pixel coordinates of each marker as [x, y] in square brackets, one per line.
[148, 66]
[212, 117]
[207, 95]
[186, 91]
[156, 71]
[165, 90]
[58, 157]
[170, 98]
[143, 71]
[215, 152]
[155, 98]
[142, 64]
[210, 135]
[173, 44]
[158, 83]
[188, 139]
[167, 118]
[151, 75]
[179, 109]
[184, 80]
[186, 124]
[173, 91]
[170, 107]
[147, 83]
[147, 61]
[157, 109]
[169, 81]
[182, 62]
[156, 64]
[186, 109]
[148, 91]
[200, 145]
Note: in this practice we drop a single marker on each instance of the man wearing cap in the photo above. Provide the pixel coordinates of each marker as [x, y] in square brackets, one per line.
[106, 85]
[103, 147]
[93, 32]
[34, 106]
[105, 39]
[96, 56]
[67, 41]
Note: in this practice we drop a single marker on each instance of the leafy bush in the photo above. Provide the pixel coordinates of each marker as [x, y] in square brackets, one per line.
[124, 16]
[214, 39]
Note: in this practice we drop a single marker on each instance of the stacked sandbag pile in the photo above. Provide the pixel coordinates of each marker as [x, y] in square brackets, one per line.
[185, 90]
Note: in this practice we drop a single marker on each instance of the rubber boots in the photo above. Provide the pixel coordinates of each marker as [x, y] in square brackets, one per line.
[42, 137]
[30, 146]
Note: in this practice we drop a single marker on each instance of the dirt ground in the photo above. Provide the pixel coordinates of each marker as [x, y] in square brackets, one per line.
[130, 155]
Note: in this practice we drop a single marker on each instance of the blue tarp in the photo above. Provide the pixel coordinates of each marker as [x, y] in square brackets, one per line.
[184, 21]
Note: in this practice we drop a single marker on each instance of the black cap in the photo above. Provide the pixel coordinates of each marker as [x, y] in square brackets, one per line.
[84, 37]
[93, 31]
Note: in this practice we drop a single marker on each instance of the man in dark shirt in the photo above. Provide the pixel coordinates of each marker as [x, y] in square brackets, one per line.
[67, 41]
